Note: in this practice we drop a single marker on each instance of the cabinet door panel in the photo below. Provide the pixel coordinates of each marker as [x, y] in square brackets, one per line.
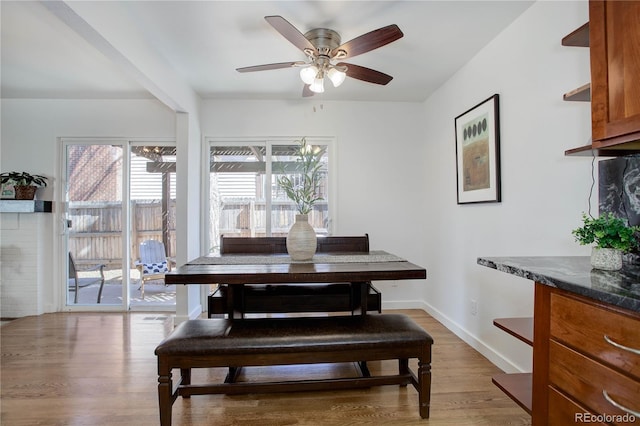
[614, 28]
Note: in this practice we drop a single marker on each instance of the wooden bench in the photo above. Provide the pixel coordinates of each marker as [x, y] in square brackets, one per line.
[207, 343]
[282, 298]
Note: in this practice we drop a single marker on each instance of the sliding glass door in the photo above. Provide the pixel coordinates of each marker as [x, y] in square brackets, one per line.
[95, 224]
[119, 196]
[152, 201]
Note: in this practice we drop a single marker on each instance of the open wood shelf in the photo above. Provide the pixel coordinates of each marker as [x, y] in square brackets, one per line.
[590, 151]
[579, 37]
[520, 328]
[517, 386]
[581, 94]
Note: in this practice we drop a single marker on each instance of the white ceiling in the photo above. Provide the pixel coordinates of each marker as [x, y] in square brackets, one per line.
[205, 41]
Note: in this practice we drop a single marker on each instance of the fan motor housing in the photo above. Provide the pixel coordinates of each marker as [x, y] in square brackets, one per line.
[324, 39]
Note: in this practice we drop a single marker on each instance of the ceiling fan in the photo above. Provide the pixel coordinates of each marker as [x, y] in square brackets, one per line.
[324, 51]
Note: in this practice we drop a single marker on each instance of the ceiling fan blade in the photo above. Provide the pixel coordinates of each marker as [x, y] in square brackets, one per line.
[369, 41]
[306, 92]
[267, 67]
[366, 74]
[290, 32]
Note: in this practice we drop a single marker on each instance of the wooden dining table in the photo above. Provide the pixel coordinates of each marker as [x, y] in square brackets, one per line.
[359, 269]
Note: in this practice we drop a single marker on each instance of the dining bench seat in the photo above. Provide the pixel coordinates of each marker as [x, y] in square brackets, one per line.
[207, 343]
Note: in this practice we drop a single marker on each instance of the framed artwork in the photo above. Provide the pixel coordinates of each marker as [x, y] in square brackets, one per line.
[478, 153]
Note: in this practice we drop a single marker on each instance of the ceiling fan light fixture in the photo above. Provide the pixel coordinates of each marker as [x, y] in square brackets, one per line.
[317, 86]
[336, 76]
[308, 74]
[324, 50]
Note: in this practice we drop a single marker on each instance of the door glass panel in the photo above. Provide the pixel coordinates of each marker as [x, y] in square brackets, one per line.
[237, 192]
[94, 224]
[152, 194]
[283, 210]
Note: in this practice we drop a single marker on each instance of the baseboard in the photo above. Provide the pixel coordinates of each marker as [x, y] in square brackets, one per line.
[487, 351]
[404, 304]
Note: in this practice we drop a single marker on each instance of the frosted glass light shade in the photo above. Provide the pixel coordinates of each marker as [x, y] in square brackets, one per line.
[317, 86]
[336, 77]
[308, 74]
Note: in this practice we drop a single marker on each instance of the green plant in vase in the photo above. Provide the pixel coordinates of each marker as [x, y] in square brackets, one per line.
[25, 184]
[304, 192]
[610, 236]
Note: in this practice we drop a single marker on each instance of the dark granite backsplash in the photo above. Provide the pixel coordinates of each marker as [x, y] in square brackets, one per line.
[619, 191]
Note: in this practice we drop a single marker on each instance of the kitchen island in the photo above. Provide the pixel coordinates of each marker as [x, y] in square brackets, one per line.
[585, 334]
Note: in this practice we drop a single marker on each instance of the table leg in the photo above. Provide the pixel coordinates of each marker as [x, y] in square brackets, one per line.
[232, 375]
[364, 298]
[235, 302]
[364, 370]
[360, 294]
[230, 298]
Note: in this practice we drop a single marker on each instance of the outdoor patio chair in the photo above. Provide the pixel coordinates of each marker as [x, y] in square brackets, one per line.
[153, 262]
[76, 283]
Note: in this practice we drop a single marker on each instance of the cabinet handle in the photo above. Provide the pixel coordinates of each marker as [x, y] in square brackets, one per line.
[618, 405]
[610, 341]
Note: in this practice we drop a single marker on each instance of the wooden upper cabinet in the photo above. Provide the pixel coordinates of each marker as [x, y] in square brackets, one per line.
[614, 33]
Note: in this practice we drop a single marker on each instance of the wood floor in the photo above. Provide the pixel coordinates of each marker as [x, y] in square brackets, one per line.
[100, 369]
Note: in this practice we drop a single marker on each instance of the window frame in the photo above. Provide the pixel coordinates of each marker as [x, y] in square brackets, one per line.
[267, 142]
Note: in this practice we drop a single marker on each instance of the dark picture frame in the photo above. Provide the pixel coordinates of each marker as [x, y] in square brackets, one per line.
[478, 153]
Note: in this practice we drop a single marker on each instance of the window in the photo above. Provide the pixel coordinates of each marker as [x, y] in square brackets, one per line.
[245, 199]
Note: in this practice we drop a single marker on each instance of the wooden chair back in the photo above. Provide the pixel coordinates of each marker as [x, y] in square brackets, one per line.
[263, 245]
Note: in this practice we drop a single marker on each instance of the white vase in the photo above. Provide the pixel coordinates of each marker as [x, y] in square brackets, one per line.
[606, 259]
[301, 240]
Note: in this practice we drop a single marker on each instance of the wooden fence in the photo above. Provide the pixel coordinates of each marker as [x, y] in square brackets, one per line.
[246, 218]
[95, 236]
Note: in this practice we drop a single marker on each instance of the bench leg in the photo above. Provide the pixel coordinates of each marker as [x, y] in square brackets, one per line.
[165, 390]
[424, 386]
[185, 376]
[403, 368]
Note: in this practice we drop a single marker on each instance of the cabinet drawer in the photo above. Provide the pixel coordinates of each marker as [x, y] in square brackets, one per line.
[608, 336]
[564, 411]
[585, 380]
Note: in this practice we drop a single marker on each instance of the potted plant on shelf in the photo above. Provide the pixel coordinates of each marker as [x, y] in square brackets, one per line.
[611, 236]
[301, 239]
[24, 184]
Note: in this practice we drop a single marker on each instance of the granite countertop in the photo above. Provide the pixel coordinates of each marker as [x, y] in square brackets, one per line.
[574, 274]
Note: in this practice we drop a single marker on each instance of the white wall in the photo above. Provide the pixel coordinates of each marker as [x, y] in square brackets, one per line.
[30, 129]
[543, 191]
[379, 165]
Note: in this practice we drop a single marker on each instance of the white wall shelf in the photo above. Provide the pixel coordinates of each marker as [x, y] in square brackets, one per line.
[25, 206]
